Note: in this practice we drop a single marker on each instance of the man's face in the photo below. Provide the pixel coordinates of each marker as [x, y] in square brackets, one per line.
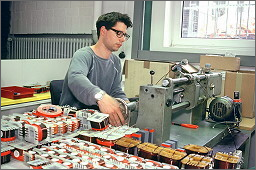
[111, 39]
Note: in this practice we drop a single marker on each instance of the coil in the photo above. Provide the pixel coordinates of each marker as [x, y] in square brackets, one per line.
[99, 121]
[63, 127]
[8, 135]
[32, 155]
[108, 143]
[18, 154]
[48, 111]
[42, 131]
[127, 145]
[5, 157]
[171, 156]
[225, 161]
[196, 149]
[146, 150]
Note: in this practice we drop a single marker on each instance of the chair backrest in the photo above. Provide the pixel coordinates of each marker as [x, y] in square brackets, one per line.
[55, 90]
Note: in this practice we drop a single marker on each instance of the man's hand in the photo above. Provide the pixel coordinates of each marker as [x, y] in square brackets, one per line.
[110, 106]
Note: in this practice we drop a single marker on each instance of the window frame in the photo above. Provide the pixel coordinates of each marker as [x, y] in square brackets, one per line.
[160, 42]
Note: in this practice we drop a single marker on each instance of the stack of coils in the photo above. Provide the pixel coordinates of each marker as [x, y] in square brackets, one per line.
[127, 145]
[195, 161]
[99, 121]
[85, 154]
[225, 161]
[148, 151]
[48, 111]
[196, 149]
[8, 133]
[171, 156]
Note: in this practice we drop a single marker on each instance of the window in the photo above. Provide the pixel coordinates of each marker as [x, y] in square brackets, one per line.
[218, 19]
[210, 27]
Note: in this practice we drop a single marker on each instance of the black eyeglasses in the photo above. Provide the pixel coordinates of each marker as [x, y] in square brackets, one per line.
[120, 34]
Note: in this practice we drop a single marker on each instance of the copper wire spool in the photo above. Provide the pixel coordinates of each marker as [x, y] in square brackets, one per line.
[76, 123]
[55, 129]
[196, 149]
[146, 150]
[225, 161]
[63, 127]
[126, 144]
[32, 155]
[48, 111]
[171, 156]
[195, 161]
[42, 131]
[99, 121]
[224, 165]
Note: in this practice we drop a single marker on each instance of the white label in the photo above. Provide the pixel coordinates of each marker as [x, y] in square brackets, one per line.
[16, 153]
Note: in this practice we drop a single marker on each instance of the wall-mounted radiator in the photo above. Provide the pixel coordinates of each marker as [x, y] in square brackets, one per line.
[45, 47]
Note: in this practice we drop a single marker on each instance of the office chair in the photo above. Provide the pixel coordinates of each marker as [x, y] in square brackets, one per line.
[55, 90]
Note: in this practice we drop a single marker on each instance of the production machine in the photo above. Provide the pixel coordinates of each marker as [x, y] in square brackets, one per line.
[182, 99]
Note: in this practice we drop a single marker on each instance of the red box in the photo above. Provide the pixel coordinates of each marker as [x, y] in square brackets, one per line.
[16, 92]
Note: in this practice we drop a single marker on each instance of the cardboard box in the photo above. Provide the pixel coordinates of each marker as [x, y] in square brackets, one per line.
[137, 73]
[220, 62]
[247, 124]
[244, 82]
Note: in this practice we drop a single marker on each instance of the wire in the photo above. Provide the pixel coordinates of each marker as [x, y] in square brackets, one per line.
[164, 76]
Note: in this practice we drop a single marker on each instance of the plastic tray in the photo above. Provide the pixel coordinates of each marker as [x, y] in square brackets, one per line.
[16, 92]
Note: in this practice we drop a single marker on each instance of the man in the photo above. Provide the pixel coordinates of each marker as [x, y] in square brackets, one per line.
[94, 75]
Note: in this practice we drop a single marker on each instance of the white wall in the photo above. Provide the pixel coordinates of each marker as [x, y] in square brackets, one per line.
[36, 71]
[54, 17]
[51, 17]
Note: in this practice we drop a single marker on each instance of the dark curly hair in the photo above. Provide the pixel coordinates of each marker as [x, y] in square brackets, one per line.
[110, 19]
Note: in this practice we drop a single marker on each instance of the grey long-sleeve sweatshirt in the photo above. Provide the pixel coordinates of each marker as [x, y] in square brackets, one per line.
[87, 75]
